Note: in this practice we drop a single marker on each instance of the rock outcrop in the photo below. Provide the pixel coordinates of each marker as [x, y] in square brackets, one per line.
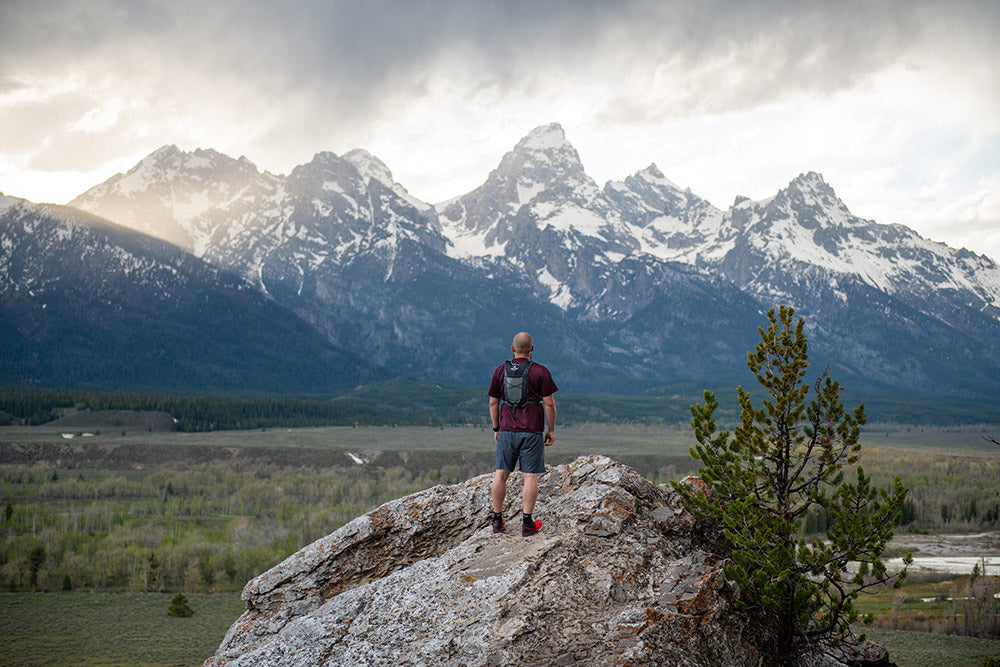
[618, 575]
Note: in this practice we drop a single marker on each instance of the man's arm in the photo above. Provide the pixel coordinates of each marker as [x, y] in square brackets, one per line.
[495, 414]
[549, 405]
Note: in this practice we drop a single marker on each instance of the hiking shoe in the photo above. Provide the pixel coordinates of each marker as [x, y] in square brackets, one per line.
[497, 525]
[529, 529]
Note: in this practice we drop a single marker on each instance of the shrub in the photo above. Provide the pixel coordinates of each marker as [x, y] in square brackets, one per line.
[179, 607]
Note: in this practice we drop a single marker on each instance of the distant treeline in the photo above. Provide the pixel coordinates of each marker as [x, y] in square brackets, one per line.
[207, 413]
[398, 403]
[413, 403]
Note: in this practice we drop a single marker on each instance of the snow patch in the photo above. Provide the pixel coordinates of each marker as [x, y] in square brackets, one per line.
[570, 217]
[466, 244]
[525, 193]
[544, 138]
[559, 293]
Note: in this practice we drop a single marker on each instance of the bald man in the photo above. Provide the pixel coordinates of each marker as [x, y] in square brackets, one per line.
[517, 429]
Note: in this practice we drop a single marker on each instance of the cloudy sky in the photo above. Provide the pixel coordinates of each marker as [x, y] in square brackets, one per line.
[896, 103]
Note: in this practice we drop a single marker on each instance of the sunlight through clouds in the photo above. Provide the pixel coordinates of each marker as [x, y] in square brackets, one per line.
[896, 103]
[99, 119]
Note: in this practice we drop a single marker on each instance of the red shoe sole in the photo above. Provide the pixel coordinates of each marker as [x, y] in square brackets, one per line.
[538, 527]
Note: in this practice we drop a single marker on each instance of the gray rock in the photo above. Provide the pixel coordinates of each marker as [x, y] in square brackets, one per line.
[618, 574]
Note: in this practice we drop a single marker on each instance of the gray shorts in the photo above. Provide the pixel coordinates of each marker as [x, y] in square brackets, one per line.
[528, 447]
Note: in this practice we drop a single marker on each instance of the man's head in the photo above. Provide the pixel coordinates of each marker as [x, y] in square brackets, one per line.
[522, 345]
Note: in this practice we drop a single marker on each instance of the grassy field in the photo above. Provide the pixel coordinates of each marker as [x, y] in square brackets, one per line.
[111, 628]
[647, 447]
[923, 649]
[575, 439]
[656, 451]
[582, 438]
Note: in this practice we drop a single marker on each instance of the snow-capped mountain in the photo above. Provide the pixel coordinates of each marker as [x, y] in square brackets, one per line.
[880, 291]
[180, 197]
[807, 228]
[272, 229]
[343, 245]
[640, 279]
[85, 303]
[670, 223]
[540, 186]
[541, 212]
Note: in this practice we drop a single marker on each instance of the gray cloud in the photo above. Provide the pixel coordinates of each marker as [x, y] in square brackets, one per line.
[348, 55]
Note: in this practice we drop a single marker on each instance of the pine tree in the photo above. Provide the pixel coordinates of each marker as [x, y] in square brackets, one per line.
[152, 571]
[785, 460]
[35, 561]
[179, 607]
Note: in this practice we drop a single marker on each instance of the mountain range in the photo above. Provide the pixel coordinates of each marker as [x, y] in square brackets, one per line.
[627, 287]
[87, 304]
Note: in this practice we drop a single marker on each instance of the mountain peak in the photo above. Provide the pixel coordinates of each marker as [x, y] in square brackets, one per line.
[369, 166]
[544, 150]
[169, 154]
[372, 168]
[162, 163]
[653, 170]
[653, 175]
[810, 190]
[543, 158]
[325, 157]
[544, 138]
[810, 181]
[167, 150]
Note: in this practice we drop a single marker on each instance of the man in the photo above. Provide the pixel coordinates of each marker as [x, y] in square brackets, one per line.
[517, 428]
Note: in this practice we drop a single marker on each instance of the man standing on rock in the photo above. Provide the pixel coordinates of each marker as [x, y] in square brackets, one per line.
[521, 403]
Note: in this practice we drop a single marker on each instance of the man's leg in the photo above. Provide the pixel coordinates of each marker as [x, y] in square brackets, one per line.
[530, 494]
[498, 490]
[532, 465]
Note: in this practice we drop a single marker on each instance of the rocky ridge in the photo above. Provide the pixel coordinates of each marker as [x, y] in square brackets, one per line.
[620, 574]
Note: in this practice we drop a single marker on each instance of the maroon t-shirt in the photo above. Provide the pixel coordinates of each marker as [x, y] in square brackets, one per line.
[531, 418]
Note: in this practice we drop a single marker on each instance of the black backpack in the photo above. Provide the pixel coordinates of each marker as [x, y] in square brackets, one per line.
[515, 383]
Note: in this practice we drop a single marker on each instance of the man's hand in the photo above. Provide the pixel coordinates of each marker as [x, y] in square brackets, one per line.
[550, 438]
